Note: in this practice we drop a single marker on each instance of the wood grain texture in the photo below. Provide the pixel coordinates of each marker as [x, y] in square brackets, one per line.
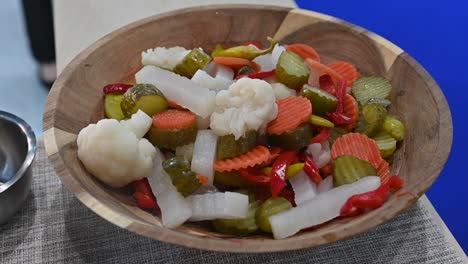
[76, 100]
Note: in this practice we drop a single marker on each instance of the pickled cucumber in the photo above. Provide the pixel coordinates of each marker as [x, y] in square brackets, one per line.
[231, 179]
[112, 107]
[381, 101]
[371, 87]
[229, 147]
[245, 70]
[171, 138]
[394, 127]
[192, 62]
[185, 180]
[386, 144]
[144, 97]
[320, 121]
[294, 139]
[348, 169]
[239, 227]
[322, 102]
[272, 206]
[291, 70]
[336, 132]
[371, 118]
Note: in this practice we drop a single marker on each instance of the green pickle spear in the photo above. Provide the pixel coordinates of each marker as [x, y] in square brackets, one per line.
[394, 127]
[185, 180]
[246, 52]
[348, 169]
[112, 107]
[371, 119]
[144, 97]
[322, 102]
[291, 70]
[229, 147]
[294, 139]
[272, 206]
[196, 59]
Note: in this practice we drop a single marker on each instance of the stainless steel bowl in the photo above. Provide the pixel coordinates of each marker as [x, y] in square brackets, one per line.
[17, 151]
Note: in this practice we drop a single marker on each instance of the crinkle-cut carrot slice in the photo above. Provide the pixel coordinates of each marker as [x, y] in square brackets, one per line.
[174, 119]
[359, 146]
[304, 51]
[323, 69]
[347, 70]
[236, 63]
[383, 172]
[292, 112]
[257, 155]
[351, 110]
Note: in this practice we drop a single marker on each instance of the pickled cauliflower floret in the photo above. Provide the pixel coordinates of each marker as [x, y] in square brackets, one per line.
[113, 153]
[248, 104]
[163, 57]
[282, 91]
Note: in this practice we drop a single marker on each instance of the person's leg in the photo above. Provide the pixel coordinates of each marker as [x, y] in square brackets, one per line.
[40, 29]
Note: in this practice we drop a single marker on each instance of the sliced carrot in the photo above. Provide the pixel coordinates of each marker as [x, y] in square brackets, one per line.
[323, 69]
[383, 172]
[174, 119]
[304, 51]
[236, 63]
[359, 146]
[292, 112]
[257, 155]
[326, 170]
[351, 110]
[174, 105]
[202, 179]
[347, 70]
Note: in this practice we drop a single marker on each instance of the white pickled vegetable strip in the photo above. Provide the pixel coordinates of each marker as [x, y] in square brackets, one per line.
[324, 207]
[205, 80]
[175, 210]
[282, 91]
[304, 189]
[163, 57]
[185, 151]
[139, 123]
[326, 184]
[204, 152]
[223, 72]
[320, 153]
[179, 89]
[209, 206]
[276, 53]
[265, 62]
[202, 123]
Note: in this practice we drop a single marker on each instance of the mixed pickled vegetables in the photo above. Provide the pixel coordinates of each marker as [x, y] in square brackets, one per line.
[250, 138]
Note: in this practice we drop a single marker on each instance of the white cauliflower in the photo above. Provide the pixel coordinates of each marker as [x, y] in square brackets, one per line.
[163, 57]
[113, 153]
[282, 91]
[248, 104]
[214, 84]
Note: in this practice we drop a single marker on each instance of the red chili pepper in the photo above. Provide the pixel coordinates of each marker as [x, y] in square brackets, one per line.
[312, 170]
[117, 88]
[326, 84]
[257, 75]
[278, 172]
[254, 176]
[145, 201]
[142, 186]
[323, 135]
[339, 118]
[255, 43]
[368, 200]
[395, 183]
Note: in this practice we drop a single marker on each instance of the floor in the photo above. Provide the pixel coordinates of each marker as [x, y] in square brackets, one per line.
[21, 93]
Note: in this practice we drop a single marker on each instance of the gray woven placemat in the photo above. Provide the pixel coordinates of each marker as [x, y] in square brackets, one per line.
[54, 227]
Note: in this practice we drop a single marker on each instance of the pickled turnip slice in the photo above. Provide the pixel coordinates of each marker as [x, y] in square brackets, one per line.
[326, 184]
[179, 89]
[139, 123]
[204, 152]
[322, 208]
[304, 189]
[209, 206]
[215, 84]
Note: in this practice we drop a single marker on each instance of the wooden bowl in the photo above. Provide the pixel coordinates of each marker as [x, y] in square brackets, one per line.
[76, 100]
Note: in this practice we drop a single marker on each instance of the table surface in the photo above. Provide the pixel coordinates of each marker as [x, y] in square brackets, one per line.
[54, 227]
[406, 23]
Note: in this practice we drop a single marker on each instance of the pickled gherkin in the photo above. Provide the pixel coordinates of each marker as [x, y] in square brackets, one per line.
[245, 70]
[231, 179]
[229, 147]
[144, 97]
[272, 206]
[322, 102]
[394, 127]
[196, 59]
[239, 227]
[291, 70]
[112, 107]
[371, 119]
[348, 169]
[171, 138]
[367, 88]
[185, 180]
[336, 132]
[294, 139]
[386, 144]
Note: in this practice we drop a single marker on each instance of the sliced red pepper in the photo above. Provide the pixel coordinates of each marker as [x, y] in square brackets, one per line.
[323, 135]
[116, 88]
[257, 75]
[145, 201]
[339, 118]
[326, 84]
[312, 170]
[142, 186]
[255, 43]
[251, 175]
[368, 200]
[395, 183]
[278, 172]
[202, 179]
